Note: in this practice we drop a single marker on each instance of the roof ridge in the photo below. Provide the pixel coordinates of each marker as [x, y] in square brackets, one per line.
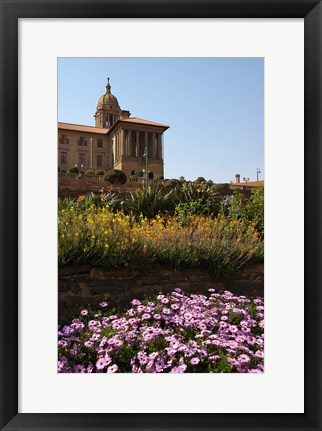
[83, 125]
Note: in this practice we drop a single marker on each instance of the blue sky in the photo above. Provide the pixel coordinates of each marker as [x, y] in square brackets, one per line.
[214, 107]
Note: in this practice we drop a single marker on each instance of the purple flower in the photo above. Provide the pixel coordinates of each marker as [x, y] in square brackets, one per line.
[164, 300]
[102, 363]
[160, 338]
[112, 369]
[103, 304]
[79, 369]
[179, 369]
[136, 302]
[243, 359]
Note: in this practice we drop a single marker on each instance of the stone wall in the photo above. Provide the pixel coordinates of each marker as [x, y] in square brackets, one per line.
[72, 185]
[80, 286]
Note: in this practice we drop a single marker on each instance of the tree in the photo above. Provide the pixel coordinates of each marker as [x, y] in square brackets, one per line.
[115, 176]
[200, 180]
[74, 170]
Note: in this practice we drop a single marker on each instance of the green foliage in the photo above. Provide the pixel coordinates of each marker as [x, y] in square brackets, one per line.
[251, 210]
[221, 189]
[147, 202]
[73, 170]
[185, 210]
[194, 198]
[170, 184]
[200, 180]
[254, 210]
[115, 176]
[90, 173]
[159, 177]
[90, 201]
[99, 172]
[94, 235]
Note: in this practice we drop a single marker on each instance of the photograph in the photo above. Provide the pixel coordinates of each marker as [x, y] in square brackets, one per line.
[144, 150]
[160, 215]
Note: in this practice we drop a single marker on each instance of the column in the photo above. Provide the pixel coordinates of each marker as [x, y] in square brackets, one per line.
[146, 137]
[154, 147]
[118, 146]
[161, 139]
[123, 149]
[137, 149]
[129, 142]
[158, 146]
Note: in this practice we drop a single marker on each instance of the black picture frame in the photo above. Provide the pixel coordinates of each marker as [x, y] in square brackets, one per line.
[11, 11]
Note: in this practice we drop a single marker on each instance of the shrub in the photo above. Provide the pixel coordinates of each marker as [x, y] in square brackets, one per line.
[200, 194]
[174, 333]
[193, 208]
[89, 202]
[147, 202]
[251, 209]
[115, 176]
[200, 180]
[221, 188]
[159, 177]
[73, 170]
[90, 173]
[170, 184]
[99, 172]
[99, 236]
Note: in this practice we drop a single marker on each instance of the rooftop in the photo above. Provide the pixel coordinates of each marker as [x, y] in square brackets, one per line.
[249, 184]
[81, 128]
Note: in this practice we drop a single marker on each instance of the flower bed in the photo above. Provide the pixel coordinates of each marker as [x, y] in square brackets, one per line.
[173, 333]
[98, 236]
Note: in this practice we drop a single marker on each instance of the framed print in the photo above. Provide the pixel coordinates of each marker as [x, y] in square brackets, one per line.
[193, 93]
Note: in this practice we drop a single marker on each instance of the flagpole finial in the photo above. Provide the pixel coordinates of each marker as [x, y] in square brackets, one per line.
[108, 86]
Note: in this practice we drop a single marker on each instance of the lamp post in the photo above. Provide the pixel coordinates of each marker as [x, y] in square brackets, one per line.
[258, 172]
[146, 167]
[246, 179]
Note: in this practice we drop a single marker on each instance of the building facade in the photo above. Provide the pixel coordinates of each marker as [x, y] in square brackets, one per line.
[116, 141]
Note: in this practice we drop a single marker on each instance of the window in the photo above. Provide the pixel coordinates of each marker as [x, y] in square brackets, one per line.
[81, 160]
[82, 141]
[63, 158]
[63, 139]
[99, 143]
[99, 161]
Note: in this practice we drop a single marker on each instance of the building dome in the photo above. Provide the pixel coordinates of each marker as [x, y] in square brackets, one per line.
[108, 100]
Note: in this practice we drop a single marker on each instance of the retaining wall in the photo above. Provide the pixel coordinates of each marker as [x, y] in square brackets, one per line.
[89, 285]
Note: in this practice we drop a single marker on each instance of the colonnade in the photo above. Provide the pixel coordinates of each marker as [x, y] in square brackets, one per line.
[132, 143]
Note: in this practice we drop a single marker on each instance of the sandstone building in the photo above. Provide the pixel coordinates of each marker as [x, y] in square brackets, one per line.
[116, 141]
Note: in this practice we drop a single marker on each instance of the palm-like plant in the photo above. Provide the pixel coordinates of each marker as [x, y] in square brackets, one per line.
[149, 202]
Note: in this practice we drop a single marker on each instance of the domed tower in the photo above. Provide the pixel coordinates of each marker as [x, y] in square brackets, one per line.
[108, 110]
